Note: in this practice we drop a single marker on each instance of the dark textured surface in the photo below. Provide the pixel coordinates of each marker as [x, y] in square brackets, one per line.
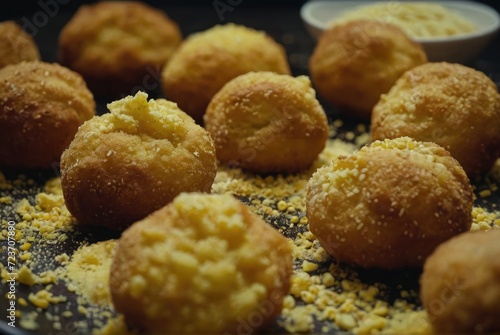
[282, 22]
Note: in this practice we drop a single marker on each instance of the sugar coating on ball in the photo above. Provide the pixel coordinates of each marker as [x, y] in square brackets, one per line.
[207, 60]
[202, 264]
[460, 285]
[118, 46]
[265, 122]
[16, 45]
[452, 105]
[389, 204]
[125, 164]
[357, 61]
[41, 107]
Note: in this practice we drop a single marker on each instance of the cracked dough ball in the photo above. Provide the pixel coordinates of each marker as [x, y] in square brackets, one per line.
[202, 264]
[267, 122]
[118, 46]
[16, 45]
[41, 107]
[123, 165]
[452, 105]
[390, 204]
[207, 60]
[460, 285]
[355, 62]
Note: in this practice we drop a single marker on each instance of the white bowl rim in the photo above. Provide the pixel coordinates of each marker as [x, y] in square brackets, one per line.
[320, 25]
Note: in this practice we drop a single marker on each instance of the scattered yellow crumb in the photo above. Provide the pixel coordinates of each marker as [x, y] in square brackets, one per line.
[7, 200]
[309, 267]
[25, 276]
[43, 298]
[320, 290]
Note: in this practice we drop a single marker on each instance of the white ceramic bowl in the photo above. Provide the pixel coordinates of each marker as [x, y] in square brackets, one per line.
[317, 16]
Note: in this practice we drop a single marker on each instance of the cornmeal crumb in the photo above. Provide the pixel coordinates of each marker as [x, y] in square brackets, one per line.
[25, 276]
[43, 298]
[309, 267]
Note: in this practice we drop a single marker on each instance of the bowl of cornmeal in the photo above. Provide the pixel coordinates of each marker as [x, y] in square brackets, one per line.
[451, 31]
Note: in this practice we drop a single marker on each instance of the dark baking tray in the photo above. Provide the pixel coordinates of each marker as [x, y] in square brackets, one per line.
[283, 23]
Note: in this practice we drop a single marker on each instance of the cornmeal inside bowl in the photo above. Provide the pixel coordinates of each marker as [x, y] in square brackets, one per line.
[418, 19]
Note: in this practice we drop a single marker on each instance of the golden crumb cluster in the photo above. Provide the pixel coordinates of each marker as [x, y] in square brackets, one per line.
[357, 61]
[16, 45]
[452, 105]
[267, 123]
[204, 263]
[207, 60]
[389, 204]
[125, 164]
[41, 107]
[116, 45]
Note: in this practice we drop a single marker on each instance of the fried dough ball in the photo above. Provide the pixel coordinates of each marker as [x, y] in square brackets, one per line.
[355, 62]
[266, 122]
[204, 264]
[207, 60]
[124, 165]
[452, 105]
[389, 204]
[460, 285]
[16, 45]
[41, 107]
[118, 46]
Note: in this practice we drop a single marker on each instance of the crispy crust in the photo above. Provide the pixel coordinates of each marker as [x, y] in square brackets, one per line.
[266, 123]
[459, 285]
[355, 62]
[118, 45]
[16, 45]
[41, 107]
[202, 264]
[452, 105]
[390, 204]
[123, 165]
[207, 60]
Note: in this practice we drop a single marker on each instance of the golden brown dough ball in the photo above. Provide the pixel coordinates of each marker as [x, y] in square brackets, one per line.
[204, 264]
[460, 285]
[123, 165]
[16, 45]
[41, 107]
[389, 204]
[207, 60]
[452, 105]
[266, 122]
[355, 62]
[118, 46]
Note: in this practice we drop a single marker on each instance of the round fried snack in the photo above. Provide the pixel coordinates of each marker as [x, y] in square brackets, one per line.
[460, 285]
[16, 45]
[207, 60]
[389, 204]
[204, 264]
[118, 46]
[356, 61]
[452, 105]
[124, 165]
[267, 122]
[41, 107]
